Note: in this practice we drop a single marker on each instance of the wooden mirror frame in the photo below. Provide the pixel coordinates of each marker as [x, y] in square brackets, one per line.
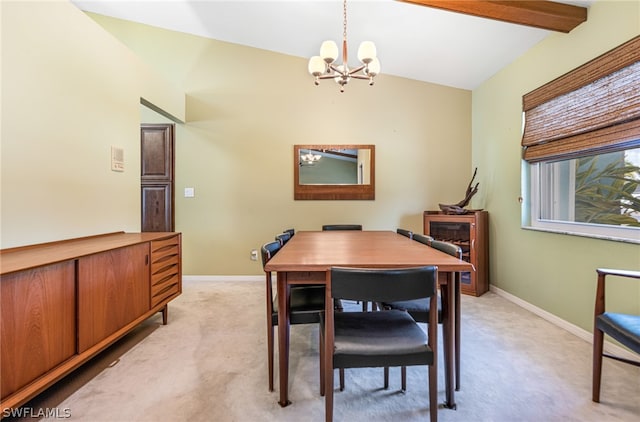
[333, 192]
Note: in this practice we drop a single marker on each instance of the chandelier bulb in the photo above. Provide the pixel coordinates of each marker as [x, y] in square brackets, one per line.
[316, 66]
[373, 68]
[329, 51]
[367, 52]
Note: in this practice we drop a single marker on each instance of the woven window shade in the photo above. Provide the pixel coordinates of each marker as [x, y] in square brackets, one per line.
[591, 110]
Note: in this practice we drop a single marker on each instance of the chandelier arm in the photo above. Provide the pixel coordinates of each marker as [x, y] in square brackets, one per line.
[331, 76]
[336, 70]
[361, 77]
[356, 70]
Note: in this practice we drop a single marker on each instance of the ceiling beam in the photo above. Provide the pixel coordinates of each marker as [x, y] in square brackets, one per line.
[540, 14]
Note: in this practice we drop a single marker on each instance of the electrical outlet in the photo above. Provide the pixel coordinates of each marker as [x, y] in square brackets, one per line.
[254, 254]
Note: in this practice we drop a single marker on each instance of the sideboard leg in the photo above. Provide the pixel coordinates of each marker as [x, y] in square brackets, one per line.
[165, 314]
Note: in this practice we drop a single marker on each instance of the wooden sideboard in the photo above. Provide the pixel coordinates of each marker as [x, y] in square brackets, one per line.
[64, 302]
[470, 232]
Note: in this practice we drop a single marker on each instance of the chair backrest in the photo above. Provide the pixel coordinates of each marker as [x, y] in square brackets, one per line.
[290, 231]
[447, 247]
[269, 250]
[342, 227]
[383, 284]
[405, 232]
[283, 238]
[424, 239]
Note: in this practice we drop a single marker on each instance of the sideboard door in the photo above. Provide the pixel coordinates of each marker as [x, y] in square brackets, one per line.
[113, 290]
[38, 323]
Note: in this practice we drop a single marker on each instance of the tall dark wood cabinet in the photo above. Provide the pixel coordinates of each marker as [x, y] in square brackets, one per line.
[157, 177]
[471, 233]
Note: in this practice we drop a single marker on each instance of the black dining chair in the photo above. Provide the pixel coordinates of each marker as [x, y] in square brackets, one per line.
[379, 339]
[419, 309]
[624, 328]
[422, 238]
[290, 231]
[283, 238]
[405, 232]
[341, 227]
[306, 303]
[329, 227]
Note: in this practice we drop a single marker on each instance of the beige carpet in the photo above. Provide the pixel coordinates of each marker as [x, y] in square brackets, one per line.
[209, 364]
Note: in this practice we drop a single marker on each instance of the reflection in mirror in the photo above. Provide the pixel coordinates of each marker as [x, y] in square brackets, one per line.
[334, 172]
[334, 166]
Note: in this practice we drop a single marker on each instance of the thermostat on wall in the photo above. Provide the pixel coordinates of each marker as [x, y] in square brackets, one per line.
[117, 159]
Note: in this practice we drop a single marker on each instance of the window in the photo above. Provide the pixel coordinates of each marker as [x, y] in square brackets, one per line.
[596, 195]
[581, 146]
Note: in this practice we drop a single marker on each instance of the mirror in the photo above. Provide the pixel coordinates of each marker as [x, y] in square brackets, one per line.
[334, 171]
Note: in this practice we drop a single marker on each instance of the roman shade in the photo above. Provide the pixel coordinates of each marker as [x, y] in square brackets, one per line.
[593, 109]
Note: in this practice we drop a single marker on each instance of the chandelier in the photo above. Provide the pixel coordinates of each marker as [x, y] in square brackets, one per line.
[324, 67]
[309, 159]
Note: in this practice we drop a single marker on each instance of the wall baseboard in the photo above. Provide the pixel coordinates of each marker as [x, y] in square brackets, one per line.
[587, 336]
[222, 278]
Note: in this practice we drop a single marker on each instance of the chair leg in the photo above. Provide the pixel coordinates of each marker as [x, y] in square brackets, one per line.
[270, 354]
[433, 392]
[403, 371]
[456, 346]
[341, 371]
[328, 390]
[446, 349]
[386, 377]
[365, 306]
[322, 363]
[598, 339]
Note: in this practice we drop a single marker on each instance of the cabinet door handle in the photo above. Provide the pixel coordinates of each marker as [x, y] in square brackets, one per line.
[473, 243]
[146, 260]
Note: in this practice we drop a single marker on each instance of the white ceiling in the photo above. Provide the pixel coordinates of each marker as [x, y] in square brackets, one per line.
[413, 41]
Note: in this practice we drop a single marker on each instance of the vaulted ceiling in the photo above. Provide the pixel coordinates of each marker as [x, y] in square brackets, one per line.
[453, 43]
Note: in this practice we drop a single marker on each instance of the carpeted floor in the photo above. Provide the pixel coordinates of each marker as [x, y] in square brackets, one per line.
[209, 364]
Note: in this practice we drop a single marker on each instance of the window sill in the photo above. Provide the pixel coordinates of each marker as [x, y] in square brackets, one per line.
[590, 235]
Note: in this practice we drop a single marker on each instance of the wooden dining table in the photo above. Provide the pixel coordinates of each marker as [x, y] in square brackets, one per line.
[308, 257]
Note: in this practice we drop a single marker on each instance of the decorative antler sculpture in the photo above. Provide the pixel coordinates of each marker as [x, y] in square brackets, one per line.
[459, 207]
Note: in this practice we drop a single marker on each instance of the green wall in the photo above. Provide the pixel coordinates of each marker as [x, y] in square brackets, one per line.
[552, 271]
[71, 89]
[246, 108]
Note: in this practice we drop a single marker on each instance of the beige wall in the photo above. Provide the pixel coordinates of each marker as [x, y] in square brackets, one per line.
[246, 108]
[69, 92]
[552, 271]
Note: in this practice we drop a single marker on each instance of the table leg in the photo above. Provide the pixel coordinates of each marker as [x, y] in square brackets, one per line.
[283, 337]
[448, 305]
[456, 345]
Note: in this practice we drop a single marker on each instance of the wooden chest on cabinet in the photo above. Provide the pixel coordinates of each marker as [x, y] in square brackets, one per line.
[470, 232]
[64, 302]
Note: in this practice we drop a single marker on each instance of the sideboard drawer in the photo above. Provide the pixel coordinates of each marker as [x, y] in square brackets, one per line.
[165, 270]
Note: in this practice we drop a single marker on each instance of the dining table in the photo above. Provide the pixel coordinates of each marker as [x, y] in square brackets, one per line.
[307, 258]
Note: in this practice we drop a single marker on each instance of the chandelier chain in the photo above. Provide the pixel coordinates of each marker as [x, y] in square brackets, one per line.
[344, 25]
